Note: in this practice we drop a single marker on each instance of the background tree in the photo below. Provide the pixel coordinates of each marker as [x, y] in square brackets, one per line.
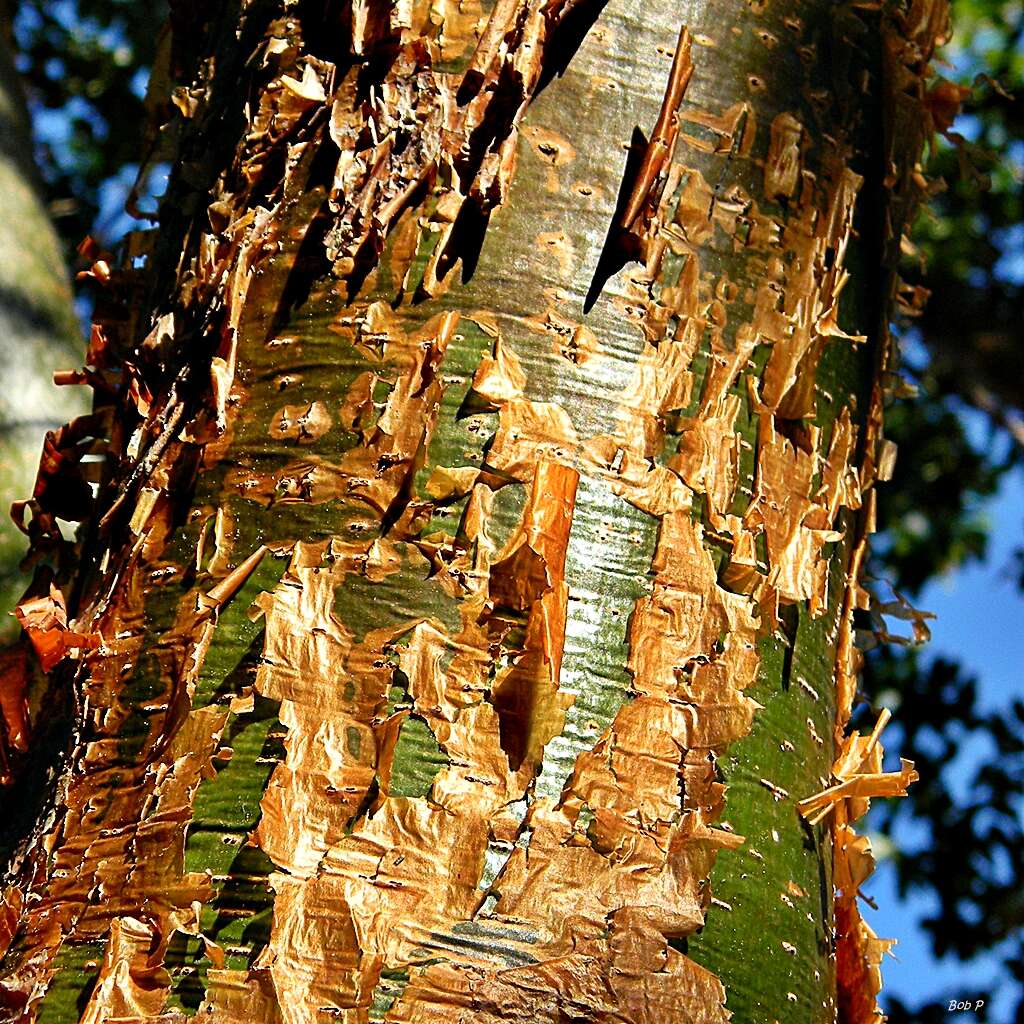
[36, 320]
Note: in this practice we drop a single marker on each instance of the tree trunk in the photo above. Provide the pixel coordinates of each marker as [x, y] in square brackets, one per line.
[38, 330]
[469, 600]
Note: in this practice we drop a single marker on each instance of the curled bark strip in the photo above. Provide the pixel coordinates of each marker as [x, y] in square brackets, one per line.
[663, 137]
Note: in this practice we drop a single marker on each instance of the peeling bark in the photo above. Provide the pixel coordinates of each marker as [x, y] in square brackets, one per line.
[480, 525]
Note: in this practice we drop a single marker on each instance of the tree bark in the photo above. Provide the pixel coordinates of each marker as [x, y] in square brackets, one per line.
[468, 604]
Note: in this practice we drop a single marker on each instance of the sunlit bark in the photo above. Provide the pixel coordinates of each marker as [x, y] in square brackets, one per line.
[493, 424]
